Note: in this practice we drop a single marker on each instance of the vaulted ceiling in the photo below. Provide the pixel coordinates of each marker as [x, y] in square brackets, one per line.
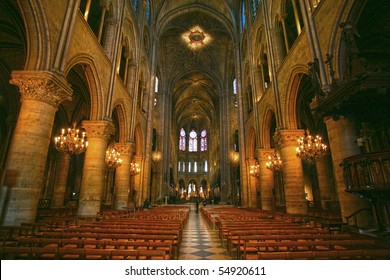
[195, 58]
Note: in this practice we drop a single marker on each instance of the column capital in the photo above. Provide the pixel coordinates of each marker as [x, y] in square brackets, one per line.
[124, 148]
[43, 86]
[286, 138]
[98, 129]
[263, 154]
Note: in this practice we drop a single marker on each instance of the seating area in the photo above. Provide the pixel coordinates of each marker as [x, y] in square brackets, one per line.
[254, 235]
[157, 234]
[112, 235]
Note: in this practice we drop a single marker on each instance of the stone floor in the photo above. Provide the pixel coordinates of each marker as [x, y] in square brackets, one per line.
[200, 242]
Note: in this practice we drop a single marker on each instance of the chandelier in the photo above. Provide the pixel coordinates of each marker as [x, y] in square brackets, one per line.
[310, 148]
[254, 170]
[71, 142]
[274, 163]
[134, 168]
[113, 159]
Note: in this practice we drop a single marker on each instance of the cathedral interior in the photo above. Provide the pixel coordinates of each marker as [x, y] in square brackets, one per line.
[156, 110]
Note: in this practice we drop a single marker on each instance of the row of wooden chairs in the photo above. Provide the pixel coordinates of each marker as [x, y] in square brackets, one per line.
[66, 253]
[250, 249]
[259, 237]
[95, 244]
[349, 254]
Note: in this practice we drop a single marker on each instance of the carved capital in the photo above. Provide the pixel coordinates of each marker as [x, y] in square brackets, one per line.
[124, 148]
[98, 129]
[42, 86]
[288, 138]
[263, 154]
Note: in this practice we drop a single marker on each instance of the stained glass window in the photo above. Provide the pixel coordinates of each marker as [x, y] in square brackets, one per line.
[203, 141]
[156, 85]
[243, 18]
[254, 8]
[182, 140]
[193, 141]
[135, 3]
[148, 11]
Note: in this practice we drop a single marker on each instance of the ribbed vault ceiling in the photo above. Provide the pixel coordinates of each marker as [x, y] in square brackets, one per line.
[195, 71]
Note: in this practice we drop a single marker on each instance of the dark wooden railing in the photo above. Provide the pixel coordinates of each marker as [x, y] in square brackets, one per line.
[368, 176]
[368, 173]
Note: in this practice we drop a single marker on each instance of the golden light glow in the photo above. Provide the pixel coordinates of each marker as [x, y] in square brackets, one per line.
[274, 162]
[113, 159]
[70, 141]
[254, 170]
[134, 168]
[311, 148]
[196, 38]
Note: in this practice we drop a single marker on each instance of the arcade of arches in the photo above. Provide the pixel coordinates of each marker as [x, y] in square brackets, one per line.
[196, 95]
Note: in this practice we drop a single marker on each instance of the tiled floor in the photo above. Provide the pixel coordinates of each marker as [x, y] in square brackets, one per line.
[200, 242]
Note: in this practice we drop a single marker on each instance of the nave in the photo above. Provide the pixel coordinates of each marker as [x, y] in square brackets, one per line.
[181, 233]
[200, 241]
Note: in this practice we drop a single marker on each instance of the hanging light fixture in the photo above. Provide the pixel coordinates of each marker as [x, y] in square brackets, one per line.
[134, 168]
[113, 159]
[70, 142]
[310, 148]
[254, 170]
[274, 163]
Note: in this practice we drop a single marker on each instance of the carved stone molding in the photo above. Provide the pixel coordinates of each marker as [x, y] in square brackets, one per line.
[288, 138]
[99, 129]
[124, 148]
[42, 86]
[263, 154]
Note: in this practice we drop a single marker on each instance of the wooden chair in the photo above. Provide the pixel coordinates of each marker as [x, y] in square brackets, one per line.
[15, 253]
[97, 254]
[44, 253]
[65, 253]
[153, 255]
[124, 254]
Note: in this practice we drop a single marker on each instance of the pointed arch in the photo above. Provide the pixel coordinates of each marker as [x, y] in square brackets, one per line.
[94, 83]
[290, 104]
[122, 115]
[251, 142]
[269, 127]
[138, 140]
[37, 35]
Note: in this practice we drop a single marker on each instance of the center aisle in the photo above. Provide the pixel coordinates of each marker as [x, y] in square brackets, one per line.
[200, 242]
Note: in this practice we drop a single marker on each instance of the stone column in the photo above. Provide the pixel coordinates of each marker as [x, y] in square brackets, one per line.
[87, 7]
[61, 179]
[278, 46]
[259, 82]
[41, 93]
[342, 136]
[252, 186]
[109, 39]
[323, 181]
[93, 182]
[122, 176]
[266, 178]
[292, 171]
[140, 192]
[283, 20]
[296, 15]
[101, 24]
